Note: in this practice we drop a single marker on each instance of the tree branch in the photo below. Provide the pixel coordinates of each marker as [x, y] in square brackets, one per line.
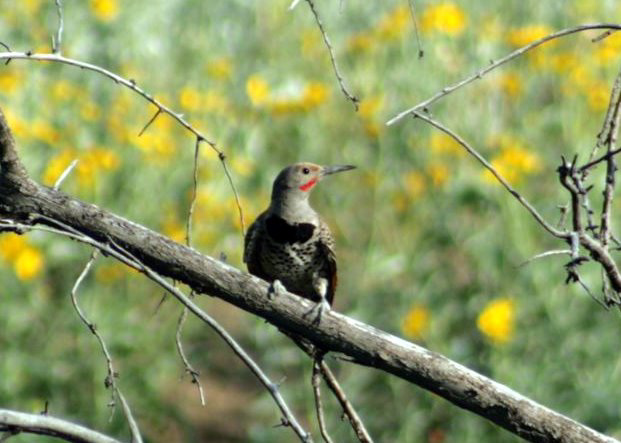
[362, 343]
[18, 422]
[495, 64]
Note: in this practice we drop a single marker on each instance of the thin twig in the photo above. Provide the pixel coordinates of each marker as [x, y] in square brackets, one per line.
[127, 258]
[110, 381]
[421, 52]
[316, 383]
[326, 40]
[544, 255]
[354, 419]
[293, 4]
[56, 42]
[65, 173]
[188, 230]
[611, 167]
[530, 208]
[151, 120]
[495, 64]
[189, 369]
[131, 84]
[588, 291]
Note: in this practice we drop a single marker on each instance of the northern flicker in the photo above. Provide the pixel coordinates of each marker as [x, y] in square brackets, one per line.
[289, 243]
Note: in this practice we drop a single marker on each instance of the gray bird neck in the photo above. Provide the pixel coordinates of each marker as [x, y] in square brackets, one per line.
[293, 207]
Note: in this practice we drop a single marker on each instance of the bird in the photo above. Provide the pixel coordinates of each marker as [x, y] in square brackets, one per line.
[289, 244]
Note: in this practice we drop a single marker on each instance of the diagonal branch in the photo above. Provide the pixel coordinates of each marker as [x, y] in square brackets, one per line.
[495, 64]
[339, 77]
[21, 422]
[110, 381]
[529, 207]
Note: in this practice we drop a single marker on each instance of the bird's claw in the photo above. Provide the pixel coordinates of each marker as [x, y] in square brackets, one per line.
[276, 288]
[318, 310]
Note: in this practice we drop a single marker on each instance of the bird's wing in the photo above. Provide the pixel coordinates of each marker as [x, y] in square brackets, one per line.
[326, 245]
[252, 248]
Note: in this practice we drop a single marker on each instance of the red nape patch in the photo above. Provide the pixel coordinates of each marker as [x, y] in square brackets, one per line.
[308, 185]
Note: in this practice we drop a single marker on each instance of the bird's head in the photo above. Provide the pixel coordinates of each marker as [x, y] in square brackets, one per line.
[301, 178]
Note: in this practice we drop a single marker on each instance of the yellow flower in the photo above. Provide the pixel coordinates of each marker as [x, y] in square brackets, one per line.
[359, 42]
[45, 132]
[609, 48]
[445, 144]
[445, 17]
[190, 98]
[242, 165]
[369, 106]
[109, 273]
[105, 10]
[257, 90]
[11, 245]
[513, 162]
[90, 111]
[57, 165]
[28, 263]
[220, 68]
[598, 96]
[496, 321]
[511, 84]
[393, 24]
[63, 90]
[414, 184]
[527, 34]
[174, 230]
[439, 174]
[10, 80]
[311, 42]
[416, 322]
[105, 158]
[315, 94]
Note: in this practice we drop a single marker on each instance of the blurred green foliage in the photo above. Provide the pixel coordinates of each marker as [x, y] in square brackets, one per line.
[428, 245]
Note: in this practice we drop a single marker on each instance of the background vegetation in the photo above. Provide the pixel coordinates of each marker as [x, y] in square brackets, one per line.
[428, 245]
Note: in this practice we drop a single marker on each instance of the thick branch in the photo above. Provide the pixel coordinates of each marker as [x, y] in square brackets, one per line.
[363, 344]
[18, 422]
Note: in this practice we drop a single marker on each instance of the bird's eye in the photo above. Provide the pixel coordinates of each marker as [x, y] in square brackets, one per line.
[305, 170]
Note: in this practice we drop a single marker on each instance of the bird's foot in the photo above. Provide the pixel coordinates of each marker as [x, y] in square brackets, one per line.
[276, 288]
[317, 311]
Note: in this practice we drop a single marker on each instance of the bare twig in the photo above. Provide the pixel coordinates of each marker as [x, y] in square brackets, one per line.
[354, 419]
[188, 231]
[110, 381]
[421, 52]
[544, 255]
[189, 369]
[151, 120]
[16, 422]
[316, 383]
[611, 167]
[599, 160]
[326, 40]
[131, 84]
[125, 257]
[65, 173]
[530, 208]
[56, 42]
[602, 36]
[293, 4]
[495, 64]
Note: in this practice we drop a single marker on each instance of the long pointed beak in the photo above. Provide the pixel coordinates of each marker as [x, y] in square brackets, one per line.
[327, 170]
